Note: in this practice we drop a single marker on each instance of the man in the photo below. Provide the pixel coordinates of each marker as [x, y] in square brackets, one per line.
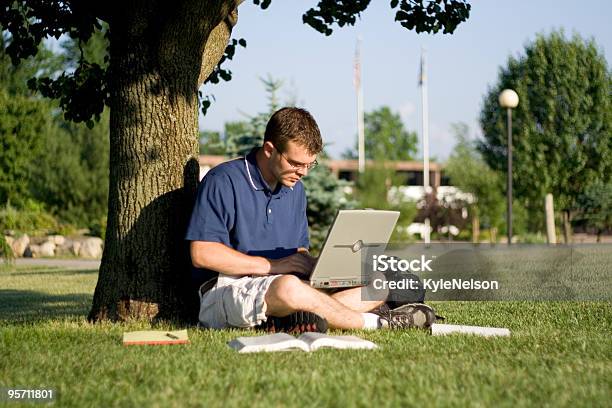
[249, 226]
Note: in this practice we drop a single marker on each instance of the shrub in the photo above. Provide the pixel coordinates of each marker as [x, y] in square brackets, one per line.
[31, 219]
[97, 228]
[531, 238]
[6, 252]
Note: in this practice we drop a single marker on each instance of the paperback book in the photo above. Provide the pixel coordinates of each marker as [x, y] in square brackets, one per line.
[308, 341]
[155, 337]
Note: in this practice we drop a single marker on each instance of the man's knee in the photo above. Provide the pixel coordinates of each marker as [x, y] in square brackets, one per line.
[289, 291]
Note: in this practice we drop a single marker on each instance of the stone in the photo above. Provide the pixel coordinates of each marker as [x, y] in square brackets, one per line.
[32, 251]
[91, 248]
[20, 244]
[47, 249]
[57, 239]
[64, 249]
[75, 248]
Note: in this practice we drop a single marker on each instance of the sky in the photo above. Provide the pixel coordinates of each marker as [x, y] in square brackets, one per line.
[317, 70]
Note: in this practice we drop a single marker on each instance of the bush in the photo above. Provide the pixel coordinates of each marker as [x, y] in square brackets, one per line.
[98, 228]
[6, 252]
[531, 238]
[32, 219]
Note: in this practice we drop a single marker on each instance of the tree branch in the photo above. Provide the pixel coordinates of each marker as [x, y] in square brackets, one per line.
[216, 43]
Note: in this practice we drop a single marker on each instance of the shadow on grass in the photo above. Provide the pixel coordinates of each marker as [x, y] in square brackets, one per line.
[28, 306]
[56, 272]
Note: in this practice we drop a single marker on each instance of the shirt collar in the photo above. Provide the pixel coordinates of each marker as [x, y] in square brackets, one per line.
[255, 177]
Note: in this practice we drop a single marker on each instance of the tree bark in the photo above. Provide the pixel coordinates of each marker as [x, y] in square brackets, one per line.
[160, 55]
[567, 227]
[475, 228]
[493, 233]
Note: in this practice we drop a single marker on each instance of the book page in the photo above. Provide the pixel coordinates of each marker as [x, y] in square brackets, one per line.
[271, 342]
[318, 340]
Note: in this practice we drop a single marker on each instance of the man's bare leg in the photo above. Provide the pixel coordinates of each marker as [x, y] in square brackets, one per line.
[288, 294]
[351, 298]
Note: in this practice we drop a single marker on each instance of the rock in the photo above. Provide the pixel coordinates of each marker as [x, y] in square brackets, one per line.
[20, 244]
[47, 249]
[91, 248]
[32, 251]
[64, 249]
[75, 247]
[57, 239]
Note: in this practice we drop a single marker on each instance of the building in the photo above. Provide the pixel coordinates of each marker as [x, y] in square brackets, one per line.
[411, 172]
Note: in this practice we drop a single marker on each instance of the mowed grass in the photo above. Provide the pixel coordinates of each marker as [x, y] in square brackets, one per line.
[560, 354]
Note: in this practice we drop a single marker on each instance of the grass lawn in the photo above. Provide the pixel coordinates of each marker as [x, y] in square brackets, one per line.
[560, 354]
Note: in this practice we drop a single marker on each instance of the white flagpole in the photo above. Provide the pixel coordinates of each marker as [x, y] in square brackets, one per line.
[425, 112]
[360, 120]
[425, 135]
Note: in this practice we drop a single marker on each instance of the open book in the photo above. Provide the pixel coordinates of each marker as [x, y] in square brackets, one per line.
[155, 337]
[442, 329]
[308, 341]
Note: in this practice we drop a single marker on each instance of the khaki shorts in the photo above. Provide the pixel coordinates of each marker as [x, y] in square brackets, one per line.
[239, 303]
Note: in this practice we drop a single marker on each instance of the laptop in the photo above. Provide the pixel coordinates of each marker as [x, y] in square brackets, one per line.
[339, 265]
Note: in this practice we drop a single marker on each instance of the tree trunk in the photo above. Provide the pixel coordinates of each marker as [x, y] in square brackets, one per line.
[567, 227]
[475, 228]
[160, 55]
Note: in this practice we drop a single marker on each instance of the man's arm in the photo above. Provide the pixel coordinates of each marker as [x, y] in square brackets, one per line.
[223, 259]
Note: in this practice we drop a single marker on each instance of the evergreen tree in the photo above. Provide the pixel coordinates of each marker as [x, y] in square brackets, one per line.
[211, 143]
[242, 136]
[23, 122]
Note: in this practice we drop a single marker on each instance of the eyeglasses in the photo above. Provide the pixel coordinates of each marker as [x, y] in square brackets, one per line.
[296, 166]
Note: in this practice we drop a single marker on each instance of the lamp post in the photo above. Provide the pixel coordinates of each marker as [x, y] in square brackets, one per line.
[509, 99]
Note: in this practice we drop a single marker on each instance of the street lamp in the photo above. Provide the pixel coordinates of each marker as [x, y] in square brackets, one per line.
[509, 99]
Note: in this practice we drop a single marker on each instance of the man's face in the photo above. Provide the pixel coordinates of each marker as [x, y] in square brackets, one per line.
[290, 165]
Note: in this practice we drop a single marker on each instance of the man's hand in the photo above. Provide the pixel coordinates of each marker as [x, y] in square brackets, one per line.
[300, 263]
[223, 259]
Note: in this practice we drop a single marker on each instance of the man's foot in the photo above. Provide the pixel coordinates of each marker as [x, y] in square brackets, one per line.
[298, 322]
[408, 316]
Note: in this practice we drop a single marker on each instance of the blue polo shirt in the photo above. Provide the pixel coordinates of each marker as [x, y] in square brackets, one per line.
[236, 207]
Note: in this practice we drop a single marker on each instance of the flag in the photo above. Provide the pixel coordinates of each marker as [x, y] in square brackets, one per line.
[357, 68]
[422, 74]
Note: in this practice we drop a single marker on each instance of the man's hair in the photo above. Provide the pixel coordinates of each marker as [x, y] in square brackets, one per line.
[296, 125]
